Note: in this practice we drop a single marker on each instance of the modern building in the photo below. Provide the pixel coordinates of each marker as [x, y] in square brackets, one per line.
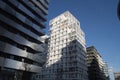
[38, 76]
[66, 59]
[22, 24]
[97, 69]
[105, 70]
[117, 75]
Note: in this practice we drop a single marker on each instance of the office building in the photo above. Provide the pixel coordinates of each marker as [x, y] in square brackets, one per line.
[96, 67]
[67, 51]
[117, 75]
[22, 24]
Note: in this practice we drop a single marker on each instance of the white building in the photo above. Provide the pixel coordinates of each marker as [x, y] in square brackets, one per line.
[117, 75]
[67, 51]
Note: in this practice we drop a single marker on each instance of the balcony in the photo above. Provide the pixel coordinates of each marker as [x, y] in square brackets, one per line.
[9, 63]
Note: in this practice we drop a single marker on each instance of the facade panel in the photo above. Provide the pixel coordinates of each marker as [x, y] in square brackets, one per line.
[22, 24]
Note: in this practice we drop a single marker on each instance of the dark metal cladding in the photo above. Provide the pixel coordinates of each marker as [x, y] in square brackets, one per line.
[22, 24]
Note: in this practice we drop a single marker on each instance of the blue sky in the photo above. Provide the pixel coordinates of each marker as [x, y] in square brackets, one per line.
[100, 23]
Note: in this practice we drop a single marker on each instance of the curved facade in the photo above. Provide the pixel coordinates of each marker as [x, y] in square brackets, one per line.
[21, 27]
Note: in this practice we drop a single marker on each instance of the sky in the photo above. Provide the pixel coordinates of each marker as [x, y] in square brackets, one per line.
[99, 21]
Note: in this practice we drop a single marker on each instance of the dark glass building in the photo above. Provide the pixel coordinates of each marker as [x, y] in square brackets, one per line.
[22, 24]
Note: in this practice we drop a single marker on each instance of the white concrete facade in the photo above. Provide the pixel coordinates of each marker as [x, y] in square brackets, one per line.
[67, 51]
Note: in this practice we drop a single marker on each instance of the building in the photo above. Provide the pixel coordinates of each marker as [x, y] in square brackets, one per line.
[97, 69]
[117, 75]
[38, 76]
[67, 51]
[105, 70]
[22, 24]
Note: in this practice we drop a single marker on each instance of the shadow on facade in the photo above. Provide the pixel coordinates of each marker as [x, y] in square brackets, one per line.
[118, 78]
[66, 68]
[95, 72]
[15, 75]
